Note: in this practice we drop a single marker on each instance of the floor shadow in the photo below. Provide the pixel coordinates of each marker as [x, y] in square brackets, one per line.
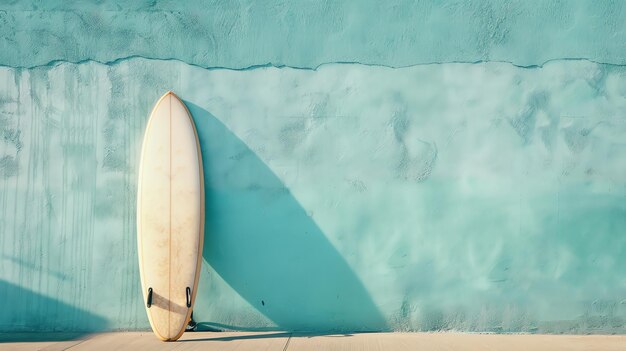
[261, 241]
[220, 327]
[242, 337]
[29, 316]
[267, 336]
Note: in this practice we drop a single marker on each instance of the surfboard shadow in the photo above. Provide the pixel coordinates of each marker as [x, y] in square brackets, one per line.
[30, 316]
[263, 243]
[276, 335]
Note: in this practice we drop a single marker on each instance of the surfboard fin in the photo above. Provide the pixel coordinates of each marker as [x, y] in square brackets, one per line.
[149, 300]
[188, 294]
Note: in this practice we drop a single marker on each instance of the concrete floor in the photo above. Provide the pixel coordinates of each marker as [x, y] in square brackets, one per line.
[208, 341]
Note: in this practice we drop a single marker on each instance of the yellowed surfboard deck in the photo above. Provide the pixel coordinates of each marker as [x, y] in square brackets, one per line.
[170, 216]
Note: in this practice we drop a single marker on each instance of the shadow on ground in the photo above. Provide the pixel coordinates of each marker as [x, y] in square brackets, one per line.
[266, 246]
[30, 316]
[268, 336]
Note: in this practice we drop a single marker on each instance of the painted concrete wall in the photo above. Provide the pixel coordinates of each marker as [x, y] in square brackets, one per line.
[407, 188]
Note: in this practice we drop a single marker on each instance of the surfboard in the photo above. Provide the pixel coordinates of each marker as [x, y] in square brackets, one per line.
[170, 216]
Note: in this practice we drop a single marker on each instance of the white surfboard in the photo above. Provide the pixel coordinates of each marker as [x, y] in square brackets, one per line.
[170, 216]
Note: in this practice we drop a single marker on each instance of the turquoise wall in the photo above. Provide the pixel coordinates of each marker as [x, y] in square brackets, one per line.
[428, 166]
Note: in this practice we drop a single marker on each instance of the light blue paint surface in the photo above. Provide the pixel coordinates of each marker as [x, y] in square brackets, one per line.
[308, 33]
[452, 196]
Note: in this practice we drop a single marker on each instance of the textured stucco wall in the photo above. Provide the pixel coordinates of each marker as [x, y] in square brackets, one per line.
[407, 188]
[308, 33]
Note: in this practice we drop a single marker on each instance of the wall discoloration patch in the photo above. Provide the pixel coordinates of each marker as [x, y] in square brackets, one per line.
[8, 166]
